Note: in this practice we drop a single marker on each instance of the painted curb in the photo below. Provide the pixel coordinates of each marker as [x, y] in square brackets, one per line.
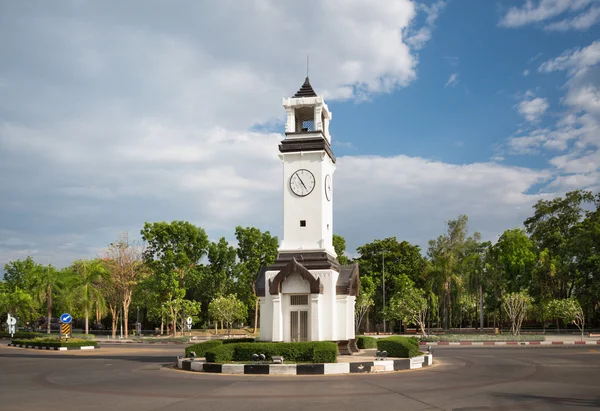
[504, 343]
[420, 361]
[85, 347]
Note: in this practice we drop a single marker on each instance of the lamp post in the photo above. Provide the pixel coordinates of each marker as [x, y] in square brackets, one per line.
[383, 284]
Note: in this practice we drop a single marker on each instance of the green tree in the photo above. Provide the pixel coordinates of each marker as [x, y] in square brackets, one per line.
[125, 268]
[86, 287]
[570, 311]
[552, 228]
[516, 305]
[391, 265]
[20, 273]
[446, 255]
[339, 245]
[227, 309]
[410, 306]
[46, 285]
[173, 253]
[364, 301]
[517, 258]
[255, 250]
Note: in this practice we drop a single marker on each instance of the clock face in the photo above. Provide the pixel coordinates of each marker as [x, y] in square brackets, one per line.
[328, 187]
[302, 182]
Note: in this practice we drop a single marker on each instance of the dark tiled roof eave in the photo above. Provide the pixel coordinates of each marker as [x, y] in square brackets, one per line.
[306, 90]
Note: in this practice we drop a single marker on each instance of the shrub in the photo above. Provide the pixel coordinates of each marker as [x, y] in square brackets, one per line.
[52, 342]
[221, 353]
[364, 342]
[239, 340]
[21, 335]
[400, 347]
[315, 352]
[202, 348]
[324, 352]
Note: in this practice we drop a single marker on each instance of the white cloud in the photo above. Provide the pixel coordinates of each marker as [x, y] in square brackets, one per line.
[525, 73]
[540, 11]
[418, 39]
[452, 81]
[532, 108]
[580, 22]
[577, 131]
[577, 61]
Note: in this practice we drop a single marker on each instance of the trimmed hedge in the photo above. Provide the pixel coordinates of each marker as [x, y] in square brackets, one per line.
[202, 348]
[238, 340]
[51, 342]
[401, 347]
[21, 335]
[364, 342]
[221, 354]
[314, 351]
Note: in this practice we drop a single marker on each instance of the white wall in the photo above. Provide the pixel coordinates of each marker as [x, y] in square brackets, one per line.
[314, 208]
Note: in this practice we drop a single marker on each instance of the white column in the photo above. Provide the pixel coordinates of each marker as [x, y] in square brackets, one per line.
[315, 314]
[318, 120]
[351, 313]
[277, 319]
[290, 125]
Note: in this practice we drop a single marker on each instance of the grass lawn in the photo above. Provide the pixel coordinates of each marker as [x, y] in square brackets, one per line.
[481, 337]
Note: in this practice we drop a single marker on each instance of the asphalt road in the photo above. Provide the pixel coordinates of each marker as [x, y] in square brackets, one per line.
[463, 379]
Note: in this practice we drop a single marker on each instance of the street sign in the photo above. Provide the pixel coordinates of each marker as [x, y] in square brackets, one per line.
[11, 321]
[66, 318]
[65, 329]
[189, 320]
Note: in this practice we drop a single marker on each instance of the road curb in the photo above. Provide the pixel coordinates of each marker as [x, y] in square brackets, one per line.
[421, 361]
[85, 347]
[504, 343]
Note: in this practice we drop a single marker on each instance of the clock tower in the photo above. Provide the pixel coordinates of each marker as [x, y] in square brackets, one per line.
[306, 295]
[308, 167]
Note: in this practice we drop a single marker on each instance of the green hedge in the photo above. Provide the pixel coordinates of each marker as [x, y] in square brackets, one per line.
[364, 342]
[51, 342]
[21, 335]
[401, 347]
[238, 340]
[221, 354]
[315, 352]
[201, 348]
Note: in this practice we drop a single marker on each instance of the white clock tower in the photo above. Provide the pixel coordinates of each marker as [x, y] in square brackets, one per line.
[306, 295]
[308, 167]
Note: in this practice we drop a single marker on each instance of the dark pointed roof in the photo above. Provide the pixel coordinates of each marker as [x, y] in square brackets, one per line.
[306, 90]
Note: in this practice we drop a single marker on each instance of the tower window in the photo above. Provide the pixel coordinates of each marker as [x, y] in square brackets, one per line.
[305, 119]
[302, 223]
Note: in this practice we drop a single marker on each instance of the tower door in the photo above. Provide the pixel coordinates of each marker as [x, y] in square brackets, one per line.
[298, 325]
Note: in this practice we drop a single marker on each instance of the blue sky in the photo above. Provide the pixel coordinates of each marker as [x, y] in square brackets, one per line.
[113, 114]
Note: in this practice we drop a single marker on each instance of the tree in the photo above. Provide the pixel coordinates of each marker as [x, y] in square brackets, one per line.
[227, 309]
[339, 245]
[552, 228]
[574, 314]
[570, 311]
[410, 306]
[86, 289]
[474, 267]
[391, 265]
[111, 293]
[45, 284]
[517, 258]
[446, 255]
[173, 253]
[255, 250]
[364, 301]
[126, 269]
[222, 272]
[516, 305]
